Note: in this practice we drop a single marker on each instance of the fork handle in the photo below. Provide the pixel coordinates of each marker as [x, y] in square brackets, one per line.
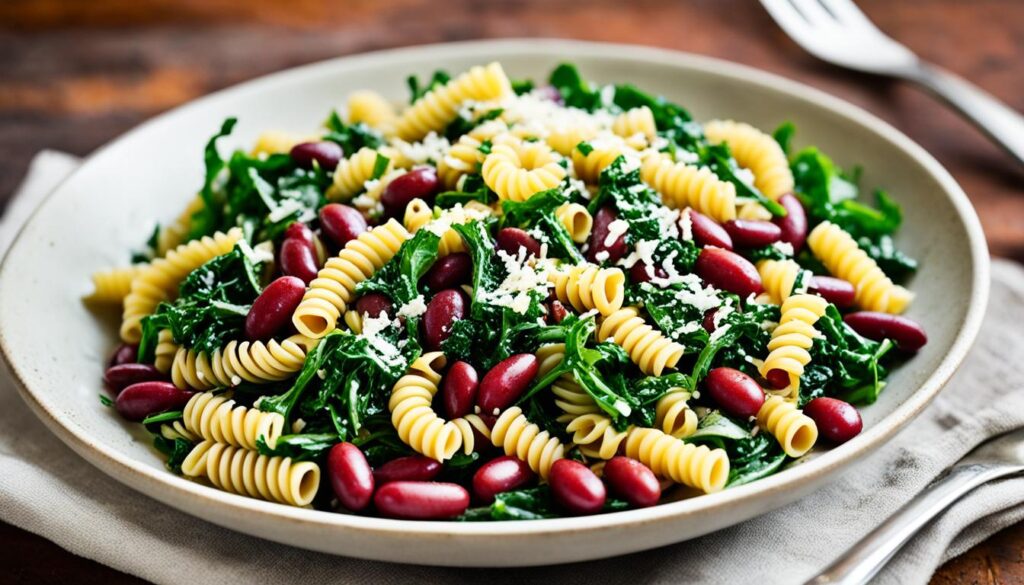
[1004, 125]
[859, 564]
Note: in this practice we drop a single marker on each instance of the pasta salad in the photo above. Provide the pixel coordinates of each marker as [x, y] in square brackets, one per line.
[509, 301]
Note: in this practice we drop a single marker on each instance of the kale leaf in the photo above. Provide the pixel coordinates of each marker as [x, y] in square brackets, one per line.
[538, 214]
[844, 363]
[351, 137]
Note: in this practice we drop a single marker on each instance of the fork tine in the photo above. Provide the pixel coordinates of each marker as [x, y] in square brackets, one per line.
[846, 12]
[815, 13]
[790, 20]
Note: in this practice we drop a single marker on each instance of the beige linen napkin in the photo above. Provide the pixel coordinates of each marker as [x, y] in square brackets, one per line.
[46, 489]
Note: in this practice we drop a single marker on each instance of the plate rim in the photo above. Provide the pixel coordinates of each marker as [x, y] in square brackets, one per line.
[168, 487]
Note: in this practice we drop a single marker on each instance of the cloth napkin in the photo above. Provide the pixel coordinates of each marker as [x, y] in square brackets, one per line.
[46, 489]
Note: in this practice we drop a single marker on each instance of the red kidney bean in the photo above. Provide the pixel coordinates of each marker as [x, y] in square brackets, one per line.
[325, 154]
[506, 382]
[373, 304]
[794, 224]
[421, 183]
[350, 476]
[408, 468]
[777, 378]
[121, 376]
[707, 232]
[632, 481]
[751, 233]
[556, 312]
[617, 249]
[908, 335]
[642, 272]
[459, 389]
[140, 400]
[447, 307]
[510, 239]
[341, 223]
[728, 271]
[735, 392]
[421, 500]
[837, 421]
[299, 231]
[834, 290]
[298, 260]
[124, 354]
[274, 307]
[450, 271]
[498, 475]
[709, 320]
[576, 488]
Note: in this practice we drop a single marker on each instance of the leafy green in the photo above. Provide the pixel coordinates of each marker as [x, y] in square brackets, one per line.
[399, 278]
[538, 214]
[106, 400]
[351, 137]
[527, 504]
[417, 89]
[462, 125]
[717, 425]
[206, 220]
[843, 363]
[753, 458]
[784, 136]
[522, 86]
[176, 451]
[725, 166]
[576, 92]
[301, 447]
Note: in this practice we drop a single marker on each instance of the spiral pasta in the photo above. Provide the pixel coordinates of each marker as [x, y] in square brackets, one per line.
[165, 351]
[245, 472]
[839, 252]
[435, 110]
[647, 347]
[159, 281]
[352, 174]
[791, 340]
[175, 233]
[588, 287]
[596, 436]
[465, 157]
[673, 416]
[412, 415]
[780, 278]
[795, 431]
[682, 185]
[215, 417]
[695, 466]
[576, 220]
[112, 286]
[602, 153]
[525, 440]
[753, 210]
[277, 142]
[516, 171]
[335, 284]
[636, 121]
[370, 108]
[756, 151]
[251, 361]
[172, 431]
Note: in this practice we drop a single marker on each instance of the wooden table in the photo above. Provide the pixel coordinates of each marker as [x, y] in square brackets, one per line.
[75, 74]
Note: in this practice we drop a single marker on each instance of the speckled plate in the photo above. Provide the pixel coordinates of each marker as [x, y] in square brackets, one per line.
[56, 348]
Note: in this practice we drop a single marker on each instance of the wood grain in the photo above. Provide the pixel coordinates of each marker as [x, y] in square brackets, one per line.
[75, 74]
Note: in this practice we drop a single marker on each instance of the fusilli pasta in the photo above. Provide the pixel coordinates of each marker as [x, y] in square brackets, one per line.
[353, 173]
[756, 151]
[370, 108]
[795, 431]
[673, 416]
[437, 108]
[245, 472]
[112, 286]
[251, 361]
[516, 171]
[576, 220]
[646, 346]
[695, 466]
[525, 440]
[791, 340]
[682, 185]
[215, 417]
[588, 287]
[781, 278]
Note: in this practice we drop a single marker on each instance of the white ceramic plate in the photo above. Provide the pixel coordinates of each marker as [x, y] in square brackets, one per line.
[56, 347]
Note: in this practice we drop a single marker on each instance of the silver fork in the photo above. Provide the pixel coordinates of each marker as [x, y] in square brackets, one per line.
[996, 458]
[838, 32]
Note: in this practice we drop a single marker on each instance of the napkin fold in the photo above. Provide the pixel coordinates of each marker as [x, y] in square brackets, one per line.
[46, 489]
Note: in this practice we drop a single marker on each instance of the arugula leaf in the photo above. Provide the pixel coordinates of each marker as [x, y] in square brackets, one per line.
[576, 92]
[351, 137]
[399, 278]
[417, 90]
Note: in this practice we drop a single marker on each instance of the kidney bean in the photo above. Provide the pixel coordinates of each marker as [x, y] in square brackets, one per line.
[556, 312]
[735, 392]
[274, 307]
[408, 468]
[642, 272]
[450, 271]
[298, 260]
[142, 399]
[447, 307]
[751, 233]
[707, 232]
[632, 481]
[794, 224]
[341, 223]
[124, 354]
[373, 304]
[908, 335]
[297, 230]
[728, 271]
[506, 382]
[708, 323]
[834, 290]
[350, 476]
[326, 154]
[837, 421]
[121, 376]
[421, 183]
[511, 239]
[421, 500]
[576, 488]
[616, 249]
[459, 389]
[777, 378]
[498, 475]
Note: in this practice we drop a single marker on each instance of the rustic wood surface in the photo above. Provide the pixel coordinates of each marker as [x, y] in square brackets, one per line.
[75, 74]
